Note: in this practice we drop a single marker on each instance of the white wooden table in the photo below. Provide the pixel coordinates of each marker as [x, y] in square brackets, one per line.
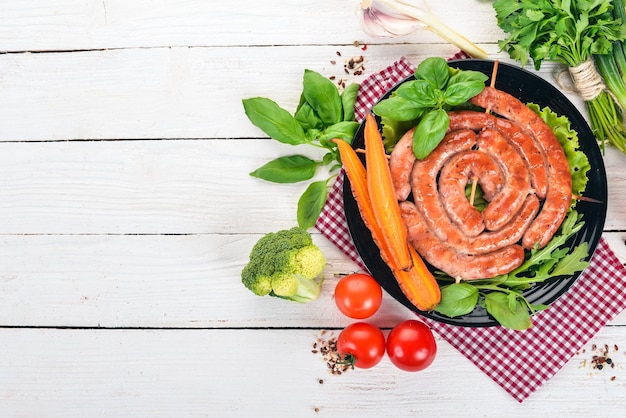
[127, 213]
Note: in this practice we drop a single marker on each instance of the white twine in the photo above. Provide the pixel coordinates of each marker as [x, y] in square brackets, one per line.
[587, 81]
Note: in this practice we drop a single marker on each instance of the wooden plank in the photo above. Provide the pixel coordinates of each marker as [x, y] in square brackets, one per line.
[156, 281]
[142, 187]
[157, 187]
[37, 25]
[57, 372]
[169, 92]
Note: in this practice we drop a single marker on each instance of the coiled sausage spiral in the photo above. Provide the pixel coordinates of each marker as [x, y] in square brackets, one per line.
[522, 169]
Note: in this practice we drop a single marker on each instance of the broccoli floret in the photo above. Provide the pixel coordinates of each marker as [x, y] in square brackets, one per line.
[285, 264]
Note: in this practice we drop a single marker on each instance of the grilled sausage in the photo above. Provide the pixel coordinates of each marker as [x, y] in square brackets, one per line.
[430, 202]
[516, 181]
[462, 266]
[401, 161]
[424, 181]
[461, 169]
[532, 154]
[559, 193]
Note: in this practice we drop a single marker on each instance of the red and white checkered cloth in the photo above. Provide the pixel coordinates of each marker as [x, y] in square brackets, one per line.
[519, 361]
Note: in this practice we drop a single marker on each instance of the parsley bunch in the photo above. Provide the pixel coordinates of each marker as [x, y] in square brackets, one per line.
[571, 33]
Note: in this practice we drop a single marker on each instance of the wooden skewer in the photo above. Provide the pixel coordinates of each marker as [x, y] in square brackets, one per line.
[494, 73]
[586, 199]
[473, 193]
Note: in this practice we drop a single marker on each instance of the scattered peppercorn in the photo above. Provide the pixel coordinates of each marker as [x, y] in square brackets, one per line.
[327, 347]
[601, 358]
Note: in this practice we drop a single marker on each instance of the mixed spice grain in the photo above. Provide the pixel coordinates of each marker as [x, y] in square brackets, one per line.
[326, 345]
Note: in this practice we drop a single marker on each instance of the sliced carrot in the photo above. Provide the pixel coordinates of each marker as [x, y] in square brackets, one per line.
[356, 174]
[418, 284]
[383, 197]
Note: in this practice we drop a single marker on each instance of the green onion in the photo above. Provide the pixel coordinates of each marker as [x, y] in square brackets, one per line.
[612, 68]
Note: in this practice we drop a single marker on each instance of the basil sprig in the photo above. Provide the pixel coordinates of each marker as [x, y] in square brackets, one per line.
[322, 115]
[425, 101]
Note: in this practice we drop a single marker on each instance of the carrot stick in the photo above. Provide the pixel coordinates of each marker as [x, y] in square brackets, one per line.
[356, 174]
[383, 197]
[418, 284]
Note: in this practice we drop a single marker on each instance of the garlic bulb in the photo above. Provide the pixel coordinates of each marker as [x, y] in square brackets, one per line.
[388, 18]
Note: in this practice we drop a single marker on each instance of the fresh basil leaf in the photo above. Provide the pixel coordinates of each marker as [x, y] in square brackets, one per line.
[323, 96]
[312, 134]
[514, 317]
[311, 203]
[459, 93]
[307, 117]
[348, 100]
[435, 71]
[457, 299]
[425, 95]
[405, 89]
[398, 108]
[539, 307]
[430, 132]
[274, 121]
[464, 85]
[344, 130]
[290, 169]
[331, 156]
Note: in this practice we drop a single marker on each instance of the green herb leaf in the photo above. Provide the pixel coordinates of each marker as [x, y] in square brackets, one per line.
[321, 115]
[348, 99]
[392, 131]
[509, 311]
[274, 121]
[435, 71]
[344, 130]
[430, 132]
[323, 97]
[457, 299]
[463, 86]
[307, 117]
[425, 101]
[291, 169]
[563, 31]
[423, 94]
[311, 203]
[398, 108]
[572, 263]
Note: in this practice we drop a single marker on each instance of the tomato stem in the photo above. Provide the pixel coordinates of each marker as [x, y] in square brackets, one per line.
[347, 359]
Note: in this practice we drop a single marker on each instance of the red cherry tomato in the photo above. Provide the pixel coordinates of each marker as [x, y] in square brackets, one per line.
[411, 346]
[358, 295]
[361, 344]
